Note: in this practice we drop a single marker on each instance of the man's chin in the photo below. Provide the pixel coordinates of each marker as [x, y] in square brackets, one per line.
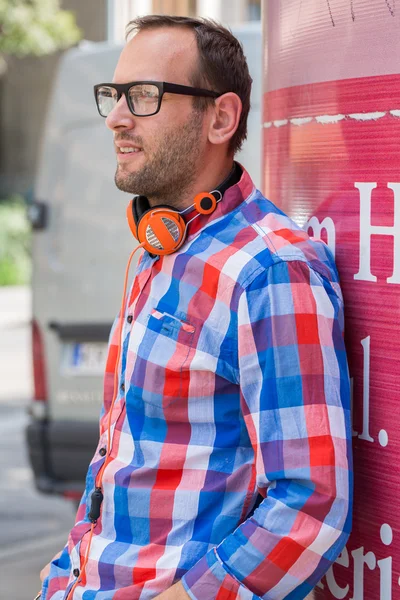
[125, 182]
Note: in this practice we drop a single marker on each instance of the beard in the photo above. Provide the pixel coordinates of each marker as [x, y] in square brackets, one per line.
[171, 170]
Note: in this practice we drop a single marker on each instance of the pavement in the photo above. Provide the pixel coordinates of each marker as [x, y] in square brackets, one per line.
[33, 526]
[15, 352]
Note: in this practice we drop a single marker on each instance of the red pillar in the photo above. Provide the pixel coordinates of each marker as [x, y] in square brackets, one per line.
[331, 156]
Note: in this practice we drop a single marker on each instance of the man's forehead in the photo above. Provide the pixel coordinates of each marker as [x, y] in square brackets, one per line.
[165, 54]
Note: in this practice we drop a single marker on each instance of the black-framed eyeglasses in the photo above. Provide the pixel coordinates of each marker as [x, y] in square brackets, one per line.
[143, 97]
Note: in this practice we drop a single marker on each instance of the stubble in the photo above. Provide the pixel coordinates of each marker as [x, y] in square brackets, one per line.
[171, 170]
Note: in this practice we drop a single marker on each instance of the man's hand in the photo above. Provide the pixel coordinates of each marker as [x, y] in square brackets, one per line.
[176, 592]
[46, 570]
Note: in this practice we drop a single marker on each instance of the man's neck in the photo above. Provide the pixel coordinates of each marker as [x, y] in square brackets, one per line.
[210, 179]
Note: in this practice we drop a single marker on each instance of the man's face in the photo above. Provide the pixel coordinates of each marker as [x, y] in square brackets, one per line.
[168, 145]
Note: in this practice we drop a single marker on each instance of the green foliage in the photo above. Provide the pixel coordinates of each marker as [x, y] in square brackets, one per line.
[15, 241]
[35, 27]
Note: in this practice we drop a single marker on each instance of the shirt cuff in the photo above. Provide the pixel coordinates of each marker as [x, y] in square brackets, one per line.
[209, 579]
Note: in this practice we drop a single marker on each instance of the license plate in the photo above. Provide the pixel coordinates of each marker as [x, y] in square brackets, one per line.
[88, 358]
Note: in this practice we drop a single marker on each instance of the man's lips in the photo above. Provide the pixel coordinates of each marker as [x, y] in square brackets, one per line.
[127, 151]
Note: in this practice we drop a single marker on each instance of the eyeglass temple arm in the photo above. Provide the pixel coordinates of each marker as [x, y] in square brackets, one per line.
[189, 91]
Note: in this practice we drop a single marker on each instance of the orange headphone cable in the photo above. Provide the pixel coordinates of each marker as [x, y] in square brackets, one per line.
[116, 371]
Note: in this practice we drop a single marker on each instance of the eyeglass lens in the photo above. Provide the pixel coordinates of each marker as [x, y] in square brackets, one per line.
[143, 99]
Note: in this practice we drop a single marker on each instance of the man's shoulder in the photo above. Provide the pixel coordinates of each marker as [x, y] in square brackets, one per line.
[258, 235]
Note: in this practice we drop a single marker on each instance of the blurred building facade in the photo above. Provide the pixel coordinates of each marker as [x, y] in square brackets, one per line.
[24, 94]
[25, 88]
[226, 11]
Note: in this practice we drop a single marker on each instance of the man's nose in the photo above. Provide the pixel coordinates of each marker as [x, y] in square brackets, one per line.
[120, 117]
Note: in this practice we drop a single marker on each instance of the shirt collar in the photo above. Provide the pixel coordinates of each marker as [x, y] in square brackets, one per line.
[232, 197]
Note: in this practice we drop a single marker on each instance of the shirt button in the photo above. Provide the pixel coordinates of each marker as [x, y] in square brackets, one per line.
[122, 387]
[76, 572]
[102, 451]
[129, 319]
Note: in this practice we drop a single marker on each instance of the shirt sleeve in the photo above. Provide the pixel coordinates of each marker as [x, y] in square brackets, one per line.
[295, 397]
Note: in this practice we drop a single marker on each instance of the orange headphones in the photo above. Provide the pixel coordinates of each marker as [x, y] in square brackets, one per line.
[162, 229]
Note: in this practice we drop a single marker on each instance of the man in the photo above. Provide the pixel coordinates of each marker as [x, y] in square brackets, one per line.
[223, 466]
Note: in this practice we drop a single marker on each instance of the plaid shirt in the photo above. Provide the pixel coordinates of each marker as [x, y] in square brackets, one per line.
[233, 384]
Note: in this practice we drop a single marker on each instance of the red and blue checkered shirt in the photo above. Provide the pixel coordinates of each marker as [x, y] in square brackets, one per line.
[233, 387]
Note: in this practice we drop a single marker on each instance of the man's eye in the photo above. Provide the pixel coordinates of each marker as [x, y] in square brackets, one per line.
[144, 93]
[106, 92]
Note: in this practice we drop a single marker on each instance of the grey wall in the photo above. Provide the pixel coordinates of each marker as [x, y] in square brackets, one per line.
[24, 93]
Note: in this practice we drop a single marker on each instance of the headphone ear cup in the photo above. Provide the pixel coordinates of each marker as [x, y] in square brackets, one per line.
[162, 231]
[130, 215]
[205, 203]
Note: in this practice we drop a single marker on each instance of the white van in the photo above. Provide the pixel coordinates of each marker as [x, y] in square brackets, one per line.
[81, 243]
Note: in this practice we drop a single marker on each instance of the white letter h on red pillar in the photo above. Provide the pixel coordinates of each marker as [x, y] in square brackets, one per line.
[366, 230]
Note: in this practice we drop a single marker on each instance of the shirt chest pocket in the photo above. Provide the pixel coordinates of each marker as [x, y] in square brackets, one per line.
[161, 368]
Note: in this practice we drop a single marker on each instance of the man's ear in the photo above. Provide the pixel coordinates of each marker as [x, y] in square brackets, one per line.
[225, 119]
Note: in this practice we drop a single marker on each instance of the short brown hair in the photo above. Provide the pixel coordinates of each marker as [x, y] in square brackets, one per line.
[222, 68]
